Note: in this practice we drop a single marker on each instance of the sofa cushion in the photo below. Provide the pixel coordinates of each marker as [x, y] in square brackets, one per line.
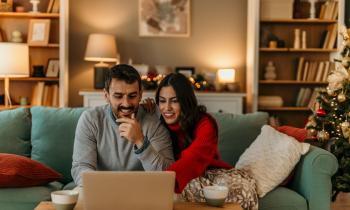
[271, 158]
[53, 132]
[26, 198]
[299, 134]
[237, 132]
[15, 131]
[282, 198]
[19, 171]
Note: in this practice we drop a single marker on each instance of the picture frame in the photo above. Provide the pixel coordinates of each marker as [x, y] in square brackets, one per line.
[164, 18]
[53, 67]
[38, 32]
[188, 71]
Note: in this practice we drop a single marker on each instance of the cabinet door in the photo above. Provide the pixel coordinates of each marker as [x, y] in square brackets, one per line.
[220, 104]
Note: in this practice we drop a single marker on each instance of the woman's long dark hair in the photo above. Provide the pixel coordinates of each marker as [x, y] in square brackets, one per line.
[191, 112]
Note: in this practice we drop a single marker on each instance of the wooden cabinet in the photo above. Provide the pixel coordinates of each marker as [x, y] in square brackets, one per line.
[56, 48]
[215, 102]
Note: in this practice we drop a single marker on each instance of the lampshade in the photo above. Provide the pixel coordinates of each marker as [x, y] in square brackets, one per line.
[101, 48]
[226, 75]
[14, 59]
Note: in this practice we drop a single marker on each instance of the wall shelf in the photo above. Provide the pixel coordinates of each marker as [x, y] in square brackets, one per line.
[290, 82]
[28, 15]
[34, 79]
[290, 108]
[311, 50]
[298, 21]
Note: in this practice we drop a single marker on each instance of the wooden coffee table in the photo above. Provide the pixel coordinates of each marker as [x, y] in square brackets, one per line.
[47, 205]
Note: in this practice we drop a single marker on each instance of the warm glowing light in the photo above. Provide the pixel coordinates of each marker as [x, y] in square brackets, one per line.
[226, 75]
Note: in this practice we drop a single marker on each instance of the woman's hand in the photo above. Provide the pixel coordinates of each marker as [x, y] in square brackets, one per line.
[149, 105]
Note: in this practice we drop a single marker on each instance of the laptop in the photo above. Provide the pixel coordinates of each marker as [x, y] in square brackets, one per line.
[128, 190]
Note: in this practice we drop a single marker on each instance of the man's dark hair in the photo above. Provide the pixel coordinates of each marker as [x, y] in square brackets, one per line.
[122, 72]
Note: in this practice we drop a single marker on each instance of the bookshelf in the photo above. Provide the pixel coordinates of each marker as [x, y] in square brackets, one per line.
[299, 70]
[56, 11]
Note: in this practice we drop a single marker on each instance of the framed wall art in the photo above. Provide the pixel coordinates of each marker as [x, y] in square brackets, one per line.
[53, 67]
[164, 18]
[38, 33]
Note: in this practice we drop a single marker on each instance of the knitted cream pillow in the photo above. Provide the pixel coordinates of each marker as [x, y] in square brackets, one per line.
[271, 158]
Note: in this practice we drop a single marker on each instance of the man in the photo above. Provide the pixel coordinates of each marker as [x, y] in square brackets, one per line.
[120, 136]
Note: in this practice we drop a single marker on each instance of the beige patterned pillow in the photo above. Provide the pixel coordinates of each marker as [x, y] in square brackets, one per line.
[271, 158]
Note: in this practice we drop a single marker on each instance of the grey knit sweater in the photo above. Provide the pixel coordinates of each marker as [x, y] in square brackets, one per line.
[98, 145]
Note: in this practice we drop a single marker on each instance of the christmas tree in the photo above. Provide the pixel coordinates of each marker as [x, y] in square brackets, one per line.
[329, 125]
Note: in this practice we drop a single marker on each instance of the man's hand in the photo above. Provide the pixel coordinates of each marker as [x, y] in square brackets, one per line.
[130, 129]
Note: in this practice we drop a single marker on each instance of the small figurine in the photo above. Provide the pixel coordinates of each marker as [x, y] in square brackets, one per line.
[35, 5]
[270, 71]
[16, 36]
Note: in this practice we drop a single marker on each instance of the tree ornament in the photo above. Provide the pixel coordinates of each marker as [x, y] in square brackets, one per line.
[346, 62]
[323, 135]
[345, 129]
[311, 132]
[330, 92]
[341, 97]
[321, 112]
[311, 123]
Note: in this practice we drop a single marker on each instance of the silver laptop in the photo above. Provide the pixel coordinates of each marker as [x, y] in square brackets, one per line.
[109, 190]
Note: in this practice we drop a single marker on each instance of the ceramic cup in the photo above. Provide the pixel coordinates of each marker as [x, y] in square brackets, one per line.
[64, 199]
[215, 195]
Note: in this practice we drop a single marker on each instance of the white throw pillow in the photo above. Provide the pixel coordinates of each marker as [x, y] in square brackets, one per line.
[271, 158]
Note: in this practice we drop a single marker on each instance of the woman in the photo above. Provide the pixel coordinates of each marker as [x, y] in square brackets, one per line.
[195, 143]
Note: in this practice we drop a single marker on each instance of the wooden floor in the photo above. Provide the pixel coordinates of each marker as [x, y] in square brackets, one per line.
[342, 202]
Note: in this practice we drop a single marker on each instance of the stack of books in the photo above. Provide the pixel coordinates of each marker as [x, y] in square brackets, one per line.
[313, 71]
[45, 95]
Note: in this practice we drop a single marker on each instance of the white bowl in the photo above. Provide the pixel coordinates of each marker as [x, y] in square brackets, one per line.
[215, 192]
[64, 196]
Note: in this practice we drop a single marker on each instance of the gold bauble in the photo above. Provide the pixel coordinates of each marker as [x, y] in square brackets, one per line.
[345, 125]
[330, 92]
[346, 62]
[345, 129]
[311, 132]
[323, 135]
[341, 97]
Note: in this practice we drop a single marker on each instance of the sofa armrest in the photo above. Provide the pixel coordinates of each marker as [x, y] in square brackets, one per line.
[313, 178]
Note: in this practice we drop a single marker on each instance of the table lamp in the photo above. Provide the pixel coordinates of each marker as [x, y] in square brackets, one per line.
[226, 79]
[14, 62]
[101, 48]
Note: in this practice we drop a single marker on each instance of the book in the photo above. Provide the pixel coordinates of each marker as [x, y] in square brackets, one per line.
[335, 10]
[306, 97]
[299, 97]
[312, 71]
[55, 96]
[300, 68]
[325, 71]
[56, 7]
[313, 98]
[305, 71]
[319, 72]
[332, 37]
[49, 6]
[37, 94]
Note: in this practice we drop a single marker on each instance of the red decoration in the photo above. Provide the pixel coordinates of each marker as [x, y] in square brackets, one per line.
[321, 112]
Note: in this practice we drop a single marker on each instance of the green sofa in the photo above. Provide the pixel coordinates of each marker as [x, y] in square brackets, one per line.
[47, 135]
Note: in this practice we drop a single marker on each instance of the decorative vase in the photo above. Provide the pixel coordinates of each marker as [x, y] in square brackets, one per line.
[270, 71]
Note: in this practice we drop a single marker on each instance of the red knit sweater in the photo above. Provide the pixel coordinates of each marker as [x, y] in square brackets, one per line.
[193, 161]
